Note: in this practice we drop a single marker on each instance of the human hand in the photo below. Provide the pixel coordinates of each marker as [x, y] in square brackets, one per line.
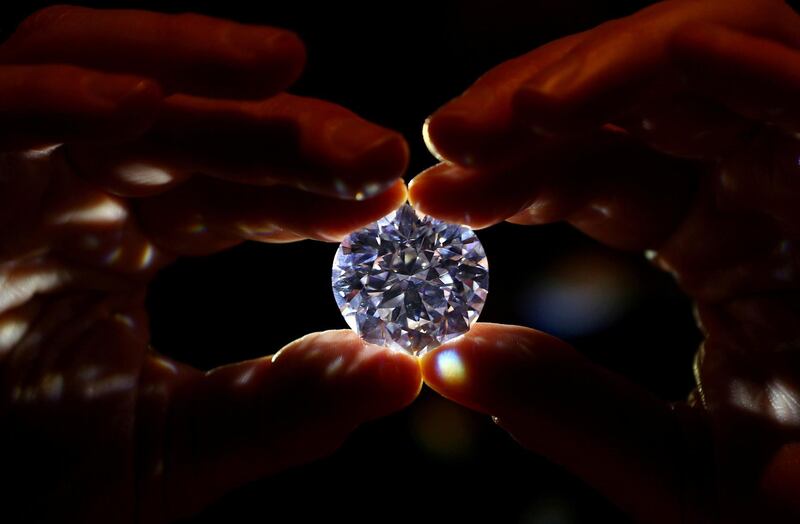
[674, 130]
[174, 138]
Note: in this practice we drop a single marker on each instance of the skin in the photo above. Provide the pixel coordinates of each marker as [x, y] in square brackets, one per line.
[675, 131]
[154, 162]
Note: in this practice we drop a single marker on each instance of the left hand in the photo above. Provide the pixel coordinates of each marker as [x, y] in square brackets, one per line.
[172, 137]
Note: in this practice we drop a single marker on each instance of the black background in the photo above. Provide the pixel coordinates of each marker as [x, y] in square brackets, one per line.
[395, 63]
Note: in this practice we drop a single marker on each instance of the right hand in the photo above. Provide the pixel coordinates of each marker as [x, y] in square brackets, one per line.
[674, 130]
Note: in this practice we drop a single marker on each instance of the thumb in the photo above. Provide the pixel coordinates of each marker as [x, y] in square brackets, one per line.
[611, 433]
[205, 434]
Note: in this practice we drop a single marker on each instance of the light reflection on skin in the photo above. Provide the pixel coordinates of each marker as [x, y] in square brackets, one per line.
[113, 256]
[166, 365]
[11, 331]
[146, 258]
[125, 319]
[744, 394]
[334, 366]
[107, 211]
[450, 367]
[784, 402]
[19, 288]
[44, 152]
[117, 383]
[777, 400]
[260, 230]
[246, 377]
[144, 175]
[50, 387]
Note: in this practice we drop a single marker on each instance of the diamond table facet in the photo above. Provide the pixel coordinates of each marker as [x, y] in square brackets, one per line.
[410, 281]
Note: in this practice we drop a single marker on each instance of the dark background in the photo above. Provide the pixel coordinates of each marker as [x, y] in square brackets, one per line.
[395, 63]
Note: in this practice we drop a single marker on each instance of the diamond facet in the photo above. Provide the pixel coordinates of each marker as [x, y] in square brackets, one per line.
[410, 281]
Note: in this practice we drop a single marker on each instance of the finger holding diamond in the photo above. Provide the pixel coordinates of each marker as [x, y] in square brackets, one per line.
[614, 435]
[205, 434]
[205, 215]
[303, 142]
[478, 127]
[641, 197]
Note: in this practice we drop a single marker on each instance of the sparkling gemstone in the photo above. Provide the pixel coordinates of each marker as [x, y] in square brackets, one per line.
[410, 281]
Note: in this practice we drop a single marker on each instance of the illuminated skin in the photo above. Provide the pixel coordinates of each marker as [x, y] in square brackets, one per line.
[159, 161]
[674, 130]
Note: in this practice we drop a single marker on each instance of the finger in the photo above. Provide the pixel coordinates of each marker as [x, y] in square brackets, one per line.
[478, 127]
[761, 176]
[687, 125]
[187, 53]
[711, 264]
[303, 142]
[611, 433]
[88, 227]
[192, 217]
[41, 106]
[610, 188]
[624, 60]
[247, 420]
[756, 77]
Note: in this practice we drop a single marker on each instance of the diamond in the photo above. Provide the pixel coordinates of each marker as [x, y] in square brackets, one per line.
[410, 281]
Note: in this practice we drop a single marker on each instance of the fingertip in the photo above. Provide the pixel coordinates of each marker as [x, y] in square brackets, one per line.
[444, 368]
[291, 51]
[429, 141]
[375, 379]
[272, 59]
[486, 368]
[401, 374]
[385, 159]
[458, 195]
[363, 158]
[451, 134]
[363, 211]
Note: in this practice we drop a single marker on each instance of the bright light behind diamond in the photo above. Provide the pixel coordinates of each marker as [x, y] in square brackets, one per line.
[410, 282]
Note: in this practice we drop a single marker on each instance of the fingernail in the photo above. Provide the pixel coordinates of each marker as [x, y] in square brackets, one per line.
[373, 157]
[352, 137]
[262, 42]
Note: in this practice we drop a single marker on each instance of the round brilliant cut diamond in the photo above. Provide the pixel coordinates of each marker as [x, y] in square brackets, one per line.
[409, 281]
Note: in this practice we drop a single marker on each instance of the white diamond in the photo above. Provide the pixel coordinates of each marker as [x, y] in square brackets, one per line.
[410, 281]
